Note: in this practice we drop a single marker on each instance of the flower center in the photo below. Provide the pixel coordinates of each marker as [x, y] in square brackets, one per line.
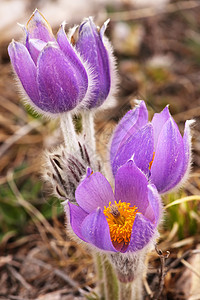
[120, 217]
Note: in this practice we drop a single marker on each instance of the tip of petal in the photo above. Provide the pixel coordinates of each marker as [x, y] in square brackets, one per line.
[139, 103]
[90, 19]
[104, 27]
[12, 43]
[37, 19]
[87, 24]
[63, 24]
[14, 46]
[37, 16]
[166, 109]
[98, 210]
[61, 29]
[190, 122]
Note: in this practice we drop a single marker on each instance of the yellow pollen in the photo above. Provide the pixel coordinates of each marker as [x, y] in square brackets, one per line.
[120, 217]
[151, 162]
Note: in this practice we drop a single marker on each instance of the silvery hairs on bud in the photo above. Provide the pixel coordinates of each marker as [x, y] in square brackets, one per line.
[64, 170]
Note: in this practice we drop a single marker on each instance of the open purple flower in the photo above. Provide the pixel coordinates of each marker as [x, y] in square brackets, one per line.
[157, 148]
[57, 76]
[122, 222]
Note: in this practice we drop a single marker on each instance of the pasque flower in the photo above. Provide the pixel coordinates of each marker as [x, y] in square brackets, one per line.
[58, 75]
[124, 221]
[157, 147]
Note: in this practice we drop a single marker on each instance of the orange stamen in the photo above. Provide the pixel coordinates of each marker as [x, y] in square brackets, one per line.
[120, 217]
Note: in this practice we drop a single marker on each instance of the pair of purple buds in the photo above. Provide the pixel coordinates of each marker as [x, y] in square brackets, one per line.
[64, 74]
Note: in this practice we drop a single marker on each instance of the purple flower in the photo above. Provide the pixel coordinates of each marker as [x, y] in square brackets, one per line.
[58, 76]
[157, 148]
[122, 222]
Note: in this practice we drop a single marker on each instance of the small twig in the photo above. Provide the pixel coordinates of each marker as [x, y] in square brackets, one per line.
[19, 278]
[163, 257]
[178, 260]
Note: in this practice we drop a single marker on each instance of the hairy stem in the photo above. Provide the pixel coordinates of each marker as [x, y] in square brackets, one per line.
[132, 290]
[110, 280]
[69, 133]
[88, 129]
[125, 290]
[99, 270]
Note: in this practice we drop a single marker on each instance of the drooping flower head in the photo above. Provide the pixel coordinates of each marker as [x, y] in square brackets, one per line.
[124, 221]
[157, 147]
[58, 76]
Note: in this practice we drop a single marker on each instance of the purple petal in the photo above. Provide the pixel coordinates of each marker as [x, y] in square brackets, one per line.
[169, 158]
[158, 122]
[76, 215]
[92, 50]
[142, 233]
[140, 147]
[95, 231]
[129, 124]
[68, 50]
[25, 69]
[187, 147]
[60, 86]
[131, 186]
[183, 175]
[154, 211]
[94, 191]
[39, 28]
[35, 46]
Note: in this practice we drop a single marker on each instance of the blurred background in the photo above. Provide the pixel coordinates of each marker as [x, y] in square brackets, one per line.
[157, 47]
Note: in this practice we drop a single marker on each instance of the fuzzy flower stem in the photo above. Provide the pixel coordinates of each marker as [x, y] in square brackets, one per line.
[137, 288]
[88, 129]
[131, 290]
[110, 280]
[125, 290]
[99, 270]
[69, 133]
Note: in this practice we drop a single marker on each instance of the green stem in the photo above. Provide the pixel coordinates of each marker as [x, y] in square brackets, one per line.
[99, 270]
[110, 280]
[88, 129]
[131, 290]
[69, 133]
[125, 290]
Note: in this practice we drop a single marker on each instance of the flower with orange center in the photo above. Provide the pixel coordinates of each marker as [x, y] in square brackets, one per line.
[123, 221]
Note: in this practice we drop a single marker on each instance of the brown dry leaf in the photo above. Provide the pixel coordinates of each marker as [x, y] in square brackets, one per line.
[189, 282]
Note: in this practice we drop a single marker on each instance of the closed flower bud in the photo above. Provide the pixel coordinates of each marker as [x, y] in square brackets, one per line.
[58, 75]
